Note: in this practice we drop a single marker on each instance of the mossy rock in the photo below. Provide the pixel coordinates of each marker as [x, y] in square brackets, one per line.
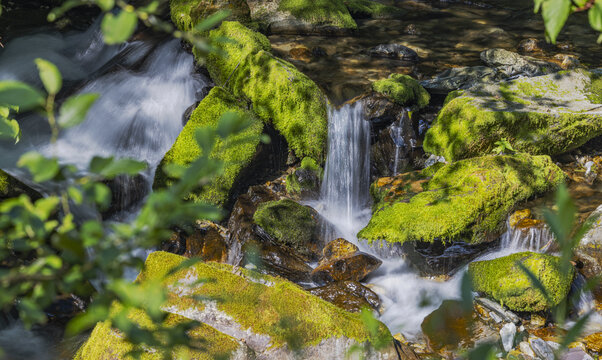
[371, 9]
[236, 152]
[270, 315]
[107, 343]
[279, 93]
[467, 200]
[186, 14]
[548, 114]
[11, 187]
[503, 280]
[305, 180]
[331, 12]
[290, 223]
[403, 89]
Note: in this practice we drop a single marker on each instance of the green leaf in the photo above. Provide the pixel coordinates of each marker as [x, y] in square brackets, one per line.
[538, 5]
[20, 94]
[75, 194]
[105, 5]
[555, 13]
[41, 168]
[50, 75]
[232, 123]
[595, 16]
[10, 129]
[117, 29]
[66, 6]
[575, 331]
[205, 137]
[74, 109]
[535, 281]
[123, 166]
[212, 20]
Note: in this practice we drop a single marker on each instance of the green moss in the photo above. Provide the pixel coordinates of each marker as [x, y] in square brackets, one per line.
[288, 222]
[11, 187]
[236, 152]
[107, 343]
[594, 90]
[504, 281]
[296, 187]
[280, 94]
[372, 9]
[4, 184]
[310, 164]
[535, 115]
[185, 14]
[403, 89]
[467, 200]
[263, 304]
[332, 12]
[293, 186]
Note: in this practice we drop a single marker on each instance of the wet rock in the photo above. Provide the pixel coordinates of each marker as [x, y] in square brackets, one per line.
[448, 325]
[511, 64]
[276, 260]
[301, 53]
[459, 78]
[507, 334]
[304, 182]
[548, 108]
[502, 280]
[349, 295]
[496, 308]
[588, 254]
[336, 249]
[525, 348]
[533, 45]
[541, 349]
[354, 267]
[380, 110]
[566, 61]
[208, 242]
[394, 51]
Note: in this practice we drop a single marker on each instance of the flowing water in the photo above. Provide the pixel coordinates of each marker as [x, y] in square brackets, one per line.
[144, 88]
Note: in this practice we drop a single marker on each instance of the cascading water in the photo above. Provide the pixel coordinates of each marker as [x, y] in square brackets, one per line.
[535, 238]
[397, 137]
[144, 89]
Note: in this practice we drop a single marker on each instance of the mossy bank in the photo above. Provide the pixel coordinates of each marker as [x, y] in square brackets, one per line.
[467, 200]
[264, 312]
[548, 114]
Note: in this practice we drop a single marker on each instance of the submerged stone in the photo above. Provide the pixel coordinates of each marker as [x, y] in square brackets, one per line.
[503, 280]
[280, 94]
[548, 114]
[263, 312]
[468, 200]
[403, 90]
[236, 152]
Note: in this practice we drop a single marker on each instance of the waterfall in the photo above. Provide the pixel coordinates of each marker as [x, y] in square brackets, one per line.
[396, 133]
[535, 238]
[344, 193]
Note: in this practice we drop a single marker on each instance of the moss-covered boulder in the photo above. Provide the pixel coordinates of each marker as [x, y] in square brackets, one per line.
[291, 224]
[372, 9]
[185, 14]
[279, 93]
[273, 317]
[403, 89]
[305, 180]
[548, 114]
[328, 17]
[237, 152]
[503, 280]
[467, 200]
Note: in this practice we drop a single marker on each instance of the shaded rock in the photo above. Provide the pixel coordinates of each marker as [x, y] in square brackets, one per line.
[276, 260]
[548, 114]
[291, 224]
[353, 267]
[11, 187]
[459, 78]
[394, 51]
[208, 242]
[302, 17]
[186, 14]
[349, 295]
[502, 280]
[305, 181]
[463, 201]
[380, 110]
[511, 64]
[362, 9]
[448, 325]
[232, 319]
[403, 90]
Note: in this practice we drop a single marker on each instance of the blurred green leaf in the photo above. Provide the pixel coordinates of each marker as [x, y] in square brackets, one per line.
[20, 94]
[50, 75]
[555, 13]
[10, 129]
[65, 6]
[42, 168]
[595, 16]
[232, 123]
[117, 29]
[212, 20]
[105, 5]
[75, 108]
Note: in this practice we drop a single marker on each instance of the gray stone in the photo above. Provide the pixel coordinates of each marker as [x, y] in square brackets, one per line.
[394, 51]
[505, 314]
[541, 348]
[510, 64]
[525, 348]
[576, 354]
[507, 334]
[459, 79]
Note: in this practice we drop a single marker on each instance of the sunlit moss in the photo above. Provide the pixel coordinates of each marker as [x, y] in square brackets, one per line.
[236, 153]
[372, 9]
[595, 89]
[467, 200]
[403, 89]
[331, 12]
[185, 14]
[107, 343]
[505, 282]
[279, 93]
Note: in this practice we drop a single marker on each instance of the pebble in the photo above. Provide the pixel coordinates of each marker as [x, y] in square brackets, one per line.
[525, 348]
[507, 333]
[542, 349]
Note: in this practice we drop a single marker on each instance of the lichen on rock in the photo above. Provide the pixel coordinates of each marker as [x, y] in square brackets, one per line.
[503, 280]
[549, 115]
[467, 200]
[236, 152]
[280, 94]
[403, 90]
